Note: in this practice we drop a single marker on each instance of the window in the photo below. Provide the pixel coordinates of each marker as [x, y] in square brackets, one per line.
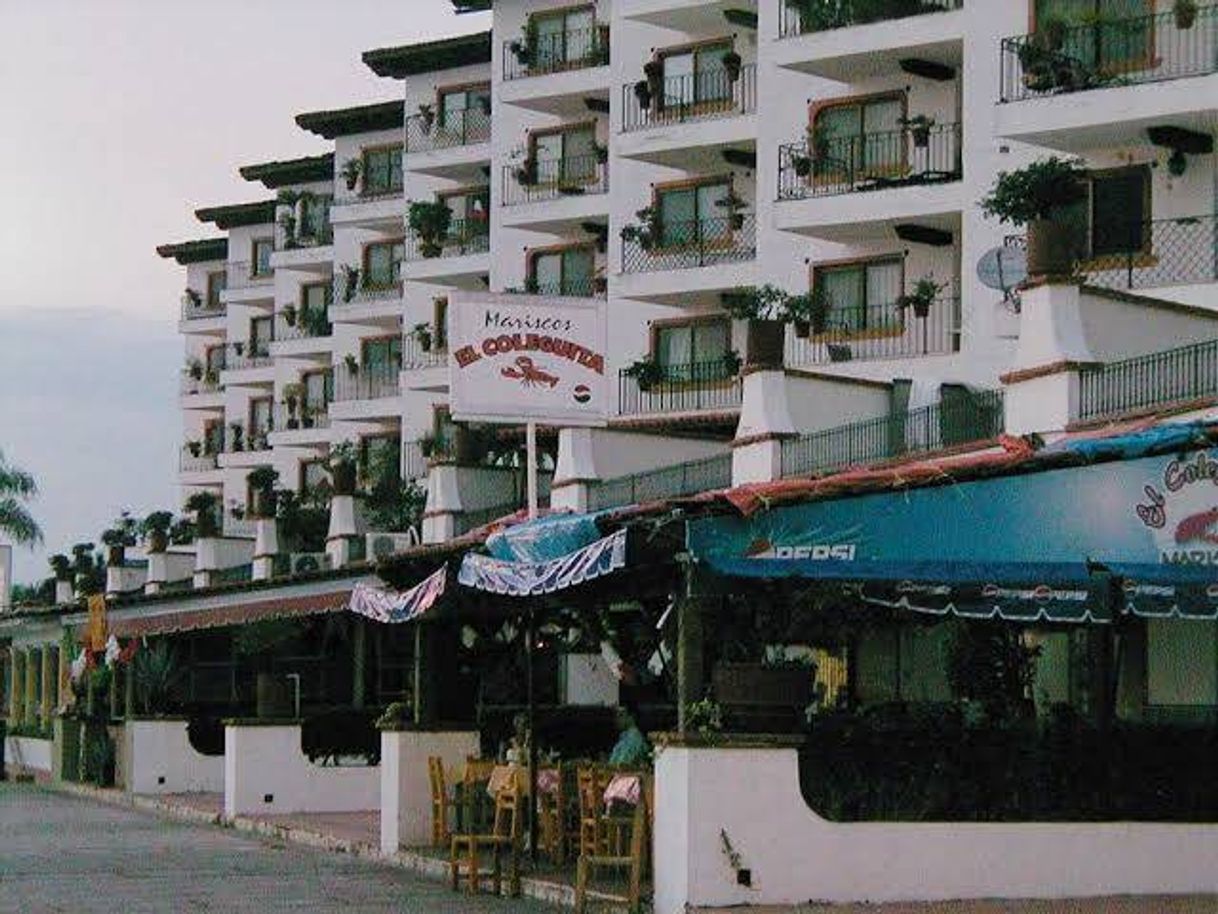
[439, 324]
[316, 297]
[694, 213]
[1111, 35]
[693, 350]
[382, 170]
[443, 428]
[217, 282]
[382, 264]
[563, 37]
[382, 356]
[319, 388]
[315, 218]
[566, 272]
[214, 359]
[1116, 211]
[862, 296]
[565, 156]
[213, 436]
[470, 210]
[261, 256]
[454, 104]
[380, 458]
[695, 75]
[262, 331]
[860, 138]
[261, 421]
[314, 475]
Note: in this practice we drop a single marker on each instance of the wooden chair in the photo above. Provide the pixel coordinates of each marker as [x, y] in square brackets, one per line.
[590, 784]
[439, 802]
[552, 819]
[634, 861]
[504, 837]
[474, 799]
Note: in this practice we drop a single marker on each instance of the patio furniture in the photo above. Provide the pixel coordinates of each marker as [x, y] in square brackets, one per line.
[440, 802]
[473, 807]
[633, 859]
[465, 856]
[552, 812]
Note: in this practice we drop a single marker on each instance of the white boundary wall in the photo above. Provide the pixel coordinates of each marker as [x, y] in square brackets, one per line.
[753, 796]
[266, 761]
[405, 786]
[160, 760]
[27, 753]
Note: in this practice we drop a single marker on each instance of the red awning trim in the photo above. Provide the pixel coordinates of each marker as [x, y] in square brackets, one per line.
[221, 616]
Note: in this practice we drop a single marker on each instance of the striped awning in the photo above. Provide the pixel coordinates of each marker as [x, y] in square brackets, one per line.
[382, 605]
[526, 579]
[221, 616]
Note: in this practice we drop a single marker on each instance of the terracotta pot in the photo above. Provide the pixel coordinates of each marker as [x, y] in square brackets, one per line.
[765, 344]
[1053, 249]
[158, 541]
[114, 556]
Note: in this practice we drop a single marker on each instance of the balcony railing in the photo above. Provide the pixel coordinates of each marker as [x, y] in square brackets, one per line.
[593, 287]
[879, 332]
[364, 289]
[690, 478]
[243, 275]
[799, 17]
[364, 194]
[576, 49]
[414, 356]
[369, 382]
[973, 418]
[302, 324]
[465, 236]
[241, 438]
[414, 464]
[873, 161]
[191, 462]
[548, 179]
[1148, 381]
[242, 356]
[696, 97]
[303, 416]
[1108, 52]
[684, 245]
[206, 383]
[202, 309]
[466, 127]
[690, 387]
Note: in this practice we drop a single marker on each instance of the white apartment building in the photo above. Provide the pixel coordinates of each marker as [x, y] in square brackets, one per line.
[832, 147]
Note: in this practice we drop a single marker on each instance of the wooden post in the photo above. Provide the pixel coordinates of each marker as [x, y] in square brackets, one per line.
[129, 692]
[691, 638]
[16, 677]
[46, 683]
[31, 687]
[359, 658]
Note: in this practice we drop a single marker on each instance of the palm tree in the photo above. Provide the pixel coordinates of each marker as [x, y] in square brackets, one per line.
[16, 487]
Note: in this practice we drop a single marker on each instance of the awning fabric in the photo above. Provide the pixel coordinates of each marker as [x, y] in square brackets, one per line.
[524, 579]
[221, 616]
[391, 606]
[1036, 546]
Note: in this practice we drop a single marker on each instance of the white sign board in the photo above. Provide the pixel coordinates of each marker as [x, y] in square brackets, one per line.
[527, 358]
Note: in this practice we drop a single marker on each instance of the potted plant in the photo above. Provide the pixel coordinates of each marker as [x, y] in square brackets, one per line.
[732, 363]
[798, 310]
[422, 333]
[238, 434]
[731, 65]
[802, 164]
[352, 363]
[154, 529]
[764, 308]
[427, 117]
[922, 296]
[118, 537]
[1037, 196]
[316, 321]
[642, 94]
[293, 394]
[194, 298]
[430, 446]
[350, 281]
[526, 172]
[647, 233]
[430, 222]
[287, 222]
[653, 72]
[289, 315]
[601, 151]
[351, 171]
[343, 463]
[194, 367]
[204, 504]
[194, 447]
[647, 373]
[61, 565]
[1185, 12]
[733, 203]
[182, 532]
[919, 128]
[524, 48]
[262, 491]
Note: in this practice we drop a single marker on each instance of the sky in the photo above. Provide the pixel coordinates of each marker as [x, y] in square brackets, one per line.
[119, 118]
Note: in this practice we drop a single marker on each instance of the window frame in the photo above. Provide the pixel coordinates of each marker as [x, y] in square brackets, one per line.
[559, 249]
[693, 184]
[727, 43]
[443, 92]
[1149, 61]
[566, 63]
[327, 386]
[383, 338]
[479, 191]
[365, 273]
[657, 327]
[818, 108]
[1144, 255]
[251, 425]
[590, 126]
[391, 187]
[898, 328]
[255, 260]
[303, 488]
[217, 283]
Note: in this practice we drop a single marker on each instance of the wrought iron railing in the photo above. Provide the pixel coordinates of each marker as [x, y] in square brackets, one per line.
[243, 275]
[242, 356]
[362, 194]
[547, 179]
[305, 415]
[300, 238]
[368, 382]
[239, 438]
[969, 418]
[414, 464]
[196, 459]
[689, 387]
[574, 49]
[690, 478]
[1148, 381]
[594, 287]
[201, 309]
[466, 127]
[695, 97]
[296, 323]
[206, 383]
[799, 17]
[415, 356]
[1109, 52]
[464, 236]
[879, 332]
[684, 245]
[872, 161]
[364, 289]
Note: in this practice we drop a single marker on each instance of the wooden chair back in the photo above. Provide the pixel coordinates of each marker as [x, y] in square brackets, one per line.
[439, 801]
[507, 813]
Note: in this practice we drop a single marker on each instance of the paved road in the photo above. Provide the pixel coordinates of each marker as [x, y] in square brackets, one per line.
[63, 854]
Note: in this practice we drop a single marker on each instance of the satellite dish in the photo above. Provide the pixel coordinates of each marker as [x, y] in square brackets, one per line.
[1003, 268]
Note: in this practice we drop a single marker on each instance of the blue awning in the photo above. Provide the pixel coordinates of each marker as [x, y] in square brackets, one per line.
[525, 579]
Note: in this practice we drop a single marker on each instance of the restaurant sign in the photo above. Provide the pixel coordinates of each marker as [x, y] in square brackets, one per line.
[527, 358]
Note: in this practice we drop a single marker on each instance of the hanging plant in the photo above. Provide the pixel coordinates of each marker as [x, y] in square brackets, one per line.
[289, 315]
[422, 333]
[647, 233]
[647, 373]
[352, 363]
[526, 172]
[731, 65]
[642, 93]
[1185, 12]
[733, 203]
[430, 222]
[237, 434]
[351, 171]
[653, 71]
[194, 368]
[193, 297]
[922, 296]
[919, 128]
[427, 117]
[350, 281]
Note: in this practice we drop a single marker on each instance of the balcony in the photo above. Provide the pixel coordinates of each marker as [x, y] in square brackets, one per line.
[1108, 53]
[247, 356]
[875, 333]
[246, 439]
[468, 127]
[873, 161]
[416, 358]
[356, 288]
[302, 324]
[551, 179]
[712, 95]
[197, 308]
[301, 416]
[801, 17]
[697, 243]
[367, 383]
[464, 236]
[196, 459]
[690, 478]
[243, 275]
[1175, 378]
[207, 382]
[686, 388]
[973, 419]
[593, 287]
[576, 49]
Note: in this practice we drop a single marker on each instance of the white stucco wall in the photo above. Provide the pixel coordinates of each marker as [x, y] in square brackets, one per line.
[405, 787]
[28, 753]
[161, 760]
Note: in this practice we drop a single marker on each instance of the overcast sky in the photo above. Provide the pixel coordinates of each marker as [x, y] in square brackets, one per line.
[118, 118]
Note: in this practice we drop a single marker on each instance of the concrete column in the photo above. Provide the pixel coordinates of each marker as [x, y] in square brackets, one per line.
[207, 564]
[443, 503]
[266, 547]
[765, 420]
[359, 658]
[342, 530]
[64, 592]
[575, 469]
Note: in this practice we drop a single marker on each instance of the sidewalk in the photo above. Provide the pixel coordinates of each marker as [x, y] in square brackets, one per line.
[1143, 904]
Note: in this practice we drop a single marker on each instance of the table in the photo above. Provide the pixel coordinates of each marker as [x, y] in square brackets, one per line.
[503, 775]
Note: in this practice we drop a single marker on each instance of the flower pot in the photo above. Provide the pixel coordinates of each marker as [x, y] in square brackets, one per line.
[764, 347]
[642, 94]
[1053, 249]
[114, 556]
[921, 138]
[803, 166]
[803, 329]
[158, 541]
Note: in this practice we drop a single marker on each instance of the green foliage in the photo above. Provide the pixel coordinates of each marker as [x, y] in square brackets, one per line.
[61, 565]
[397, 715]
[158, 523]
[988, 662]
[182, 531]
[158, 678]
[304, 519]
[391, 504]
[430, 222]
[1036, 191]
[16, 488]
[704, 717]
[648, 372]
[258, 639]
[206, 507]
[122, 533]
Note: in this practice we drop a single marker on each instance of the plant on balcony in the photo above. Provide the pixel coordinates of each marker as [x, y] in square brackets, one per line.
[422, 333]
[262, 491]
[237, 436]
[526, 172]
[731, 65]
[350, 281]
[195, 448]
[154, 530]
[316, 321]
[118, 537]
[194, 368]
[642, 94]
[352, 363]
[653, 73]
[732, 363]
[61, 566]
[182, 532]
[1185, 12]
[204, 505]
[647, 373]
[733, 203]
[430, 222]
[433, 447]
[524, 48]
[293, 395]
[289, 198]
[919, 127]
[601, 151]
[756, 303]
[344, 458]
[807, 312]
[647, 233]
[351, 171]
[194, 298]
[802, 164]
[922, 296]
[1037, 195]
[287, 222]
[427, 117]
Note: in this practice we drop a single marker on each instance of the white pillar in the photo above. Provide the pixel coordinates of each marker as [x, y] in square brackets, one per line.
[575, 469]
[765, 420]
[266, 547]
[443, 503]
[342, 530]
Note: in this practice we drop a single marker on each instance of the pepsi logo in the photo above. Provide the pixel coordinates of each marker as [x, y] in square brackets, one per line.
[582, 394]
